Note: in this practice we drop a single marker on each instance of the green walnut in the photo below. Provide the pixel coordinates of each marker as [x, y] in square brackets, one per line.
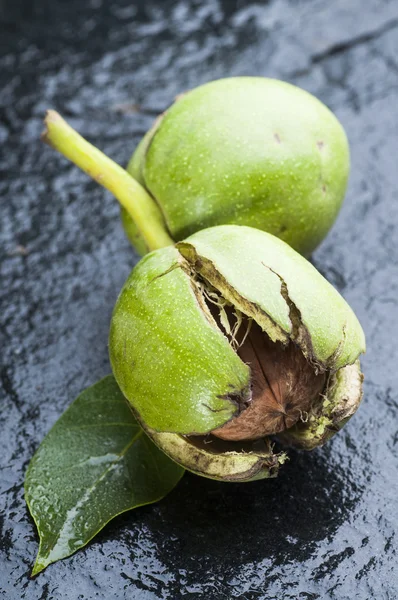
[230, 341]
[245, 150]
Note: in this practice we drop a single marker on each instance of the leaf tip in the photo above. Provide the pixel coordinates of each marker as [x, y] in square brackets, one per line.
[38, 567]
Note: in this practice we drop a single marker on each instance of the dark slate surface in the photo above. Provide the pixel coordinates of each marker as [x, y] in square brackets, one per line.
[327, 527]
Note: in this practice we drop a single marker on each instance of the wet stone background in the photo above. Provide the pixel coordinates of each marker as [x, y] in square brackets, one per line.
[327, 528]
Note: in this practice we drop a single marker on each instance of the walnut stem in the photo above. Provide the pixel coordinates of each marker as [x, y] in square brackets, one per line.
[131, 195]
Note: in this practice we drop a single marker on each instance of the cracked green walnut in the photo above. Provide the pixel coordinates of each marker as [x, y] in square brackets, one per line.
[247, 151]
[230, 344]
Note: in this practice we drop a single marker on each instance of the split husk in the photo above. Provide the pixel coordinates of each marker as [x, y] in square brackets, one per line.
[179, 339]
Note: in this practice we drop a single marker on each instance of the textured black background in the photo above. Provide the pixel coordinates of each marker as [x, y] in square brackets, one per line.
[327, 528]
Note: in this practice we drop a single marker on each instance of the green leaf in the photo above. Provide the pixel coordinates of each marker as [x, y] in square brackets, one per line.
[94, 464]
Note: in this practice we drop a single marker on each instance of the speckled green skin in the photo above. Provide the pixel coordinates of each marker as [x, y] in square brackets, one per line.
[247, 151]
[169, 360]
[177, 368]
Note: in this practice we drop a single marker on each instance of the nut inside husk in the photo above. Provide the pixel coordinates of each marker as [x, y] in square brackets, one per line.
[284, 385]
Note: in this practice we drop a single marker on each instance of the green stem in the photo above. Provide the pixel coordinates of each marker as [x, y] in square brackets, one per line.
[131, 195]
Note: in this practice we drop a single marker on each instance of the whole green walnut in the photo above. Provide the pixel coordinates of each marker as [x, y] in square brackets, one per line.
[231, 339]
[246, 151]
